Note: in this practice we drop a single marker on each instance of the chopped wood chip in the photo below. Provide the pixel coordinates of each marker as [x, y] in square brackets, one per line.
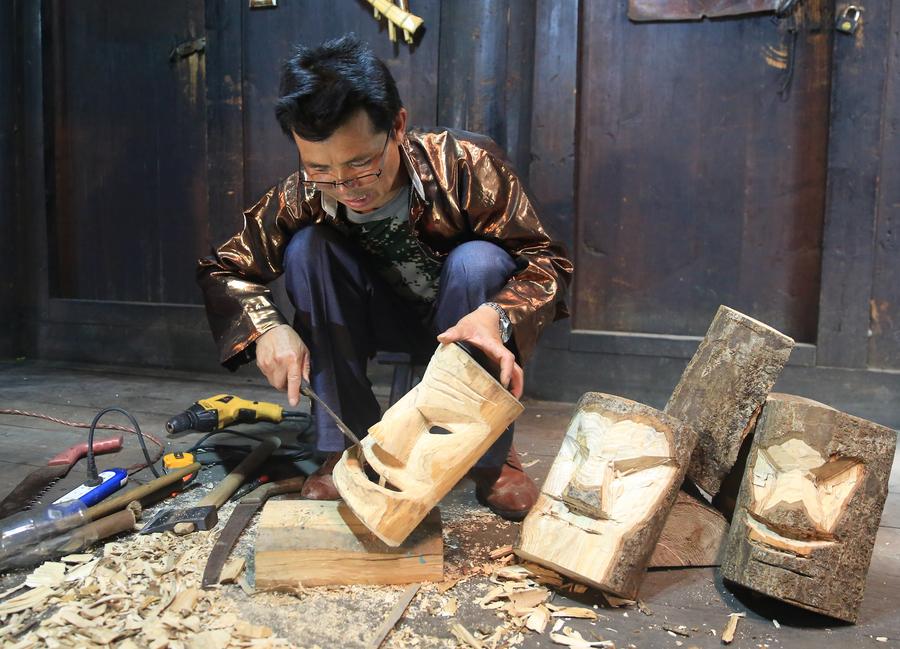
[573, 612]
[731, 627]
[49, 573]
[185, 601]
[502, 551]
[224, 621]
[530, 463]
[447, 584]
[537, 620]
[450, 607]
[616, 602]
[70, 616]
[466, 638]
[253, 631]
[83, 571]
[231, 570]
[571, 638]
[26, 601]
[677, 630]
[528, 599]
[209, 640]
[77, 558]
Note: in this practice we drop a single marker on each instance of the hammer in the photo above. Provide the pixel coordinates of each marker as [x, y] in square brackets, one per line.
[203, 515]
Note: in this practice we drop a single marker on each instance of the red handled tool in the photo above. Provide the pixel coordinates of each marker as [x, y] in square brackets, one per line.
[38, 481]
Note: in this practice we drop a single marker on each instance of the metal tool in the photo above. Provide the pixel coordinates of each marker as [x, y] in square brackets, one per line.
[306, 390]
[141, 492]
[223, 410]
[38, 481]
[243, 512]
[203, 515]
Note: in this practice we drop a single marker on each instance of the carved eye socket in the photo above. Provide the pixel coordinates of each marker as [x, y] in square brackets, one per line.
[439, 430]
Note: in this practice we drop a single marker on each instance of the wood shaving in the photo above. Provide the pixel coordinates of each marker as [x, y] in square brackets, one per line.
[49, 573]
[231, 570]
[571, 638]
[731, 627]
[466, 638]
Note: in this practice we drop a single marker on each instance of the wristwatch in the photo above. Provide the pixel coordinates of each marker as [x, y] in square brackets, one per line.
[505, 325]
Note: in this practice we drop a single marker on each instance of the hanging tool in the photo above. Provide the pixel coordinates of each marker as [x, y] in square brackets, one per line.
[306, 390]
[223, 410]
[38, 481]
[243, 512]
[203, 515]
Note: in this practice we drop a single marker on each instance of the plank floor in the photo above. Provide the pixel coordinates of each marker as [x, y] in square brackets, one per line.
[695, 598]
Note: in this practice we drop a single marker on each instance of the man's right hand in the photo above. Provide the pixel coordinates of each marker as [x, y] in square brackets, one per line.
[283, 358]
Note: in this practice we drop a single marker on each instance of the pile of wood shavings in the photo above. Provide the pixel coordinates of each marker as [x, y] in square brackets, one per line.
[141, 593]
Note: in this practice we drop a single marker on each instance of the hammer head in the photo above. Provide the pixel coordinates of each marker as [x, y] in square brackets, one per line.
[203, 518]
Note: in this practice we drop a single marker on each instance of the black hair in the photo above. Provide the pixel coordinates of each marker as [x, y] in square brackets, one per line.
[322, 87]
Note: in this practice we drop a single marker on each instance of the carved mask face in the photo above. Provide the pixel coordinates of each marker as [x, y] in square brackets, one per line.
[798, 496]
[610, 474]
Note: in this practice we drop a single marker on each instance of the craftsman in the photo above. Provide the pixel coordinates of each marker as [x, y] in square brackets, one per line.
[386, 239]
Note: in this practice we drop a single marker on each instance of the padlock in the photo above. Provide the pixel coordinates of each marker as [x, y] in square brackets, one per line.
[849, 19]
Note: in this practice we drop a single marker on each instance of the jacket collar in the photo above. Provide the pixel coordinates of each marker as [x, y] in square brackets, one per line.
[330, 205]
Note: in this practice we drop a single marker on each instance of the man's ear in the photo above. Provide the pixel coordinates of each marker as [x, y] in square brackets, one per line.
[400, 123]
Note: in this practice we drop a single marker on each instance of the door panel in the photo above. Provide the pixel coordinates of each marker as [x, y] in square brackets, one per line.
[127, 217]
[702, 159]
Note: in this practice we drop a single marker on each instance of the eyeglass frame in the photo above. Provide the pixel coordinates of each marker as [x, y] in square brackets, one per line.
[350, 182]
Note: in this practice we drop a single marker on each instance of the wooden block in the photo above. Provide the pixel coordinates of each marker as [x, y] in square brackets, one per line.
[692, 537]
[315, 543]
[424, 444]
[606, 498]
[808, 509]
[723, 388]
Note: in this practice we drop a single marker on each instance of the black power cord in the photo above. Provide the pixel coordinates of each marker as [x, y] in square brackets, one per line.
[93, 477]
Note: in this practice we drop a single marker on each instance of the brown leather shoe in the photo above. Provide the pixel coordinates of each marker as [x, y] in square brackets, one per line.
[320, 485]
[506, 490]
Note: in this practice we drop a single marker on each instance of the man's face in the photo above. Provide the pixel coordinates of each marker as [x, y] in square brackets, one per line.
[354, 149]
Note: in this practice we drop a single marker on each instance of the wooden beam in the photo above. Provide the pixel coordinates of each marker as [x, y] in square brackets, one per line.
[316, 543]
[808, 510]
[692, 536]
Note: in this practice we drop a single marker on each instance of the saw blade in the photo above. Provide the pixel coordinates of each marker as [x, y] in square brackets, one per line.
[31, 488]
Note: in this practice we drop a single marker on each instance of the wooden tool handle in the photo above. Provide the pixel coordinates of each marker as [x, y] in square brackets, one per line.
[264, 492]
[136, 494]
[236, 478]
[72, 455]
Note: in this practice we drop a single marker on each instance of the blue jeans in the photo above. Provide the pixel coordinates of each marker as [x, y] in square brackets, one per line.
[345, 312]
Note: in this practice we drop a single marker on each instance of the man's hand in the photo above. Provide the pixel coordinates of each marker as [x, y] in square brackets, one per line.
[481, 328]
[283, 359]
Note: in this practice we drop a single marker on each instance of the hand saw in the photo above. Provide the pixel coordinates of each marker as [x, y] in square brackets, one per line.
[38, 481]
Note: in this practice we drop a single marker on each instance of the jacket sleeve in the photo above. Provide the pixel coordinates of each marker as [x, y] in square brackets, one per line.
[499, 210]
[233, 278]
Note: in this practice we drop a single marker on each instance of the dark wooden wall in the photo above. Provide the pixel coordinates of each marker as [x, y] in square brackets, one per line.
[8, 220]
[746, 161]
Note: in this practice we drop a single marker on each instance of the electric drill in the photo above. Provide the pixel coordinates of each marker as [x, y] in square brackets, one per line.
[223, 410]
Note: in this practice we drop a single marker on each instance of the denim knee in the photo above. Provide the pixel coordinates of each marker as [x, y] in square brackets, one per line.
[480, 261]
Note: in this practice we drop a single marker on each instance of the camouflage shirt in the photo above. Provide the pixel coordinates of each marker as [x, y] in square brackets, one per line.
[385, 234]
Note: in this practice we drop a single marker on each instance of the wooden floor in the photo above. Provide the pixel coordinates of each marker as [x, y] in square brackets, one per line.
[695, 598]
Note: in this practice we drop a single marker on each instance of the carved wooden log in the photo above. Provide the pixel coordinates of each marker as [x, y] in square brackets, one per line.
[723, 388]
[424, 444]
[692, 537]
[809, 506]
[605, 500]
[320, 542]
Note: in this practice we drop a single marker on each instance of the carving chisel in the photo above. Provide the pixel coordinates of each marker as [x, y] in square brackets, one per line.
[239, 519]
[38, 481]
[306, 390]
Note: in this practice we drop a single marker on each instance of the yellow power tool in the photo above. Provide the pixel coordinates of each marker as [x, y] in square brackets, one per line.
[223, 410]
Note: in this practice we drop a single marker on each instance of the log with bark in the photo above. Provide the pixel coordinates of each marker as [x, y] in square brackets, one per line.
[723, 388]
[809, 506]
[606, 498]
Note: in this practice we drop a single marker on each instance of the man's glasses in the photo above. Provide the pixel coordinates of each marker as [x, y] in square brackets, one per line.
[362, 180]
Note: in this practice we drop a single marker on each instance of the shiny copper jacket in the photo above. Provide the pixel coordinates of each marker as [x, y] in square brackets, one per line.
[463, 191]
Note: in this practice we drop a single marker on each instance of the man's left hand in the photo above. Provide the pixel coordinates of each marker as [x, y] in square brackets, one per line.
[481, 328]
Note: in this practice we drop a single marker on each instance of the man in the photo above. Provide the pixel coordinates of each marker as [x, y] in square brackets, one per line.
[386, 240]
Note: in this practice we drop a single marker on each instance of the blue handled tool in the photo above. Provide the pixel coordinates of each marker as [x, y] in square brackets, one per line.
[89, 494]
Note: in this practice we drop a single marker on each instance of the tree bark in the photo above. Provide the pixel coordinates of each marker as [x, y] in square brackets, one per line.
[723, 388]
[809, 506]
